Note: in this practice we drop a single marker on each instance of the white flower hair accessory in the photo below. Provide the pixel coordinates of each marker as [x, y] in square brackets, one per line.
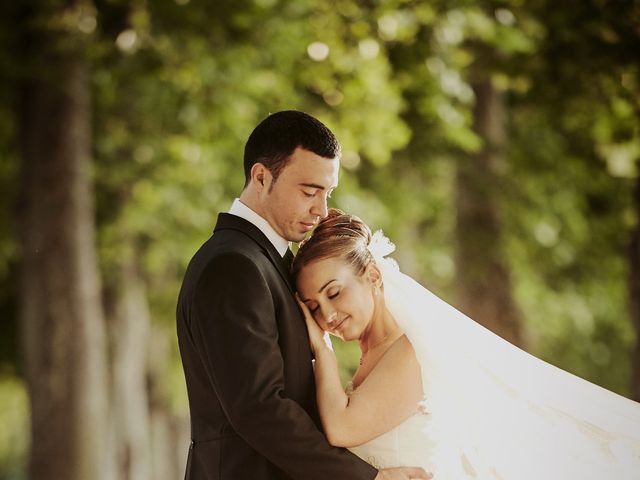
[380, 246]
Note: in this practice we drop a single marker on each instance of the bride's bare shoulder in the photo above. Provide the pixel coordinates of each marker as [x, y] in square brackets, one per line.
[398, 355]
[399, 362]
[400, 351]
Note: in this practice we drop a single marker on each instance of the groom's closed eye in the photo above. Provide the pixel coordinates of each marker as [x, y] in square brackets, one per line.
[310, 189]
[309, 194]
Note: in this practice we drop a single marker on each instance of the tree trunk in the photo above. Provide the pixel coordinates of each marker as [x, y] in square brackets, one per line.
[634, 293]
[148, 438]
[130, 329]
[170, 444]
[483, 283]
[170, 432]
[63, 336]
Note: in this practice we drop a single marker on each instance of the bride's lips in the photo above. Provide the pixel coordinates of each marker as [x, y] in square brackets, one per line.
[338, 325]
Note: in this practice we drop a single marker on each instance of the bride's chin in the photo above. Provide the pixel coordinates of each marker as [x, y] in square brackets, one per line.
[348, 336]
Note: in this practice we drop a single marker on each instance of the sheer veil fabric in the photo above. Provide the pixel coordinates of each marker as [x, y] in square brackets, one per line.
[496, 412]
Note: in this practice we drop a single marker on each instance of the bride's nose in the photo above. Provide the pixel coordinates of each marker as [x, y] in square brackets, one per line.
[330, 315]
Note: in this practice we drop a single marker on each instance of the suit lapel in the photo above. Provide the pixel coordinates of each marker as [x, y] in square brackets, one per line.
[227, 221]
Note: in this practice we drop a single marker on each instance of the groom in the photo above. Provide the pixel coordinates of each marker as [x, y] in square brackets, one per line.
[242, 337]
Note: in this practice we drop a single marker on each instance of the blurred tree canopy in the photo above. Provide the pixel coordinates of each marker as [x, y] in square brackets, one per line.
[489, 139]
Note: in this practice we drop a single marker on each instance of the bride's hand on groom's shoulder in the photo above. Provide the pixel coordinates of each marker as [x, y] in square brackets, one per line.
[316, 334]
[403, 473]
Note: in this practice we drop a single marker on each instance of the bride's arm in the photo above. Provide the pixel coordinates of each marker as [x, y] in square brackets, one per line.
[388, 396]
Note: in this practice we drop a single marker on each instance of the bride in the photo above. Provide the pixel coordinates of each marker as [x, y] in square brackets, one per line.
[437, 390]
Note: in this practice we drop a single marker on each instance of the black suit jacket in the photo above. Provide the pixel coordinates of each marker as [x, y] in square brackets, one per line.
[247, 364]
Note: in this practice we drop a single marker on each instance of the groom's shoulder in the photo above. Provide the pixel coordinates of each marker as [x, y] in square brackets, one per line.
[221, 255]
[233, 234]
[226, 243]
[230, 243]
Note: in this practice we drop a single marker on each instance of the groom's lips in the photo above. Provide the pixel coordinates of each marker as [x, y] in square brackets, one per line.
[307, 226]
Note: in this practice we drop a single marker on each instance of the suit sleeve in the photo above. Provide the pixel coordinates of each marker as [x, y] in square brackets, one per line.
[236, 332]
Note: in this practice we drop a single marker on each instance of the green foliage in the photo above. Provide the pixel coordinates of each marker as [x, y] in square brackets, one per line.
[13, 435]
[178, 85]
[349, 355]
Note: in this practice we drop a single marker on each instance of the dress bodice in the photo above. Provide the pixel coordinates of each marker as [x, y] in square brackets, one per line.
[407, 444]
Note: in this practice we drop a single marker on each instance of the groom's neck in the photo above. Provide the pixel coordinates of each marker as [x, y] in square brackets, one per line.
[250, 199]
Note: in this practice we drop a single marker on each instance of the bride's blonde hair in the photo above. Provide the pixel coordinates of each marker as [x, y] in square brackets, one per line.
[339, 235]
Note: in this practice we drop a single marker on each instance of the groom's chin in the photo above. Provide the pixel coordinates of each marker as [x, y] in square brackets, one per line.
[298, 237]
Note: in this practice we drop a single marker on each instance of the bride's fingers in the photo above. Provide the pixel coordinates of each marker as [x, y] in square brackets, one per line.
[311, 323]
[404, 473]
[418, 473]
[316, 334]
[303, 307]
[307, 313]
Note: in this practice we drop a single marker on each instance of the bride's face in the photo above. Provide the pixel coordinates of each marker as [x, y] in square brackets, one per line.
[340, 301]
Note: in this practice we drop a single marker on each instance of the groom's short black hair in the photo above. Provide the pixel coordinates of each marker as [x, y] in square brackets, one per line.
[277, 136]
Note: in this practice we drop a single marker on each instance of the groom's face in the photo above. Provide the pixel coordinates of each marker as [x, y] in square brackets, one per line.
[297, 200]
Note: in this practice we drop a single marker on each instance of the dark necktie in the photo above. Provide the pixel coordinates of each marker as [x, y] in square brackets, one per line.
[288, 259]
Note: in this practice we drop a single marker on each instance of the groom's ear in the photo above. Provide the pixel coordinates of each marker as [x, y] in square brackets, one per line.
[260, 175]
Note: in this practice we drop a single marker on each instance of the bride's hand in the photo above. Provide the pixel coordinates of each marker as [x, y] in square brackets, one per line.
[403, 473]
[316, 334]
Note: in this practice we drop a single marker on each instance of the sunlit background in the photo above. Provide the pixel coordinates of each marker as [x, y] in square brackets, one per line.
[495, 142]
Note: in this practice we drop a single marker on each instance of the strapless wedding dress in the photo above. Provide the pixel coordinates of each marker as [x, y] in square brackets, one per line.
[413, 443]
[407, 444]
[494, 412]
[419, 442]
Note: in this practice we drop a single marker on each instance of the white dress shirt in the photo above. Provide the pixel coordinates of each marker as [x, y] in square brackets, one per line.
[239, 209]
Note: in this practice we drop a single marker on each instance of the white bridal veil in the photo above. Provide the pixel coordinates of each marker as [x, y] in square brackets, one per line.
[497, 412]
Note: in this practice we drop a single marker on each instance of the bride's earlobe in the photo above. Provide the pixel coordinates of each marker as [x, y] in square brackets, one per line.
[374, 276]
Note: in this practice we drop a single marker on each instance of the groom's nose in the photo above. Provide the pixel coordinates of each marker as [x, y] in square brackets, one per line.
[319, 207]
